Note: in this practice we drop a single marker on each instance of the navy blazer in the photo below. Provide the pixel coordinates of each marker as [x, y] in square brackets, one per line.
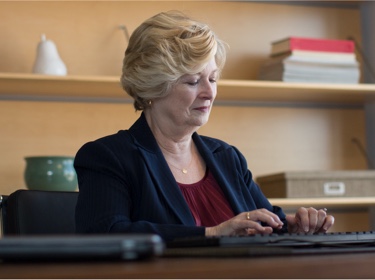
[126, 185]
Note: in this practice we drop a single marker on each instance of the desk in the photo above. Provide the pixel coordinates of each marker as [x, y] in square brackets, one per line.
[318, 266]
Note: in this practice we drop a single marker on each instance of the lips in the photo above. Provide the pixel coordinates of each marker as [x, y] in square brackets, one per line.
[203, 108]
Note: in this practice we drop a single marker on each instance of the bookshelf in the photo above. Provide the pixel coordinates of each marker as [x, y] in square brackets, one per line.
[49, 115]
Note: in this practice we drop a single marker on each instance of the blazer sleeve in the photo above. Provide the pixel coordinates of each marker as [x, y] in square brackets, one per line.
[256, 196]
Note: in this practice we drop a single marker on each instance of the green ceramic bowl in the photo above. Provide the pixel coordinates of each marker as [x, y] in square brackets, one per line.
[50, 173]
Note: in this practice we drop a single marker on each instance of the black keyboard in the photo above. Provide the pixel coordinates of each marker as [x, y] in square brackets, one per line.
[286, 239]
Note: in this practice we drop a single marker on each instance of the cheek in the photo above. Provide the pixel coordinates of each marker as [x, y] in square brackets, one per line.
[184, 99]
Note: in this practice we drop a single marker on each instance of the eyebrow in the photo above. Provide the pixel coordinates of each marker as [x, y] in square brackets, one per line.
[200, 73]
[215, 71]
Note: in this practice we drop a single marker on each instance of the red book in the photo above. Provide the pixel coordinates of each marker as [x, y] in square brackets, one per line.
[312, 44]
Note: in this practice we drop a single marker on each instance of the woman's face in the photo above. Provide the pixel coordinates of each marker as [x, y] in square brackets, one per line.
[189, 102]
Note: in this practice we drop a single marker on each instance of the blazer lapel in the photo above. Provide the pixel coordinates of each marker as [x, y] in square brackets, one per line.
[221, 164]
[162, 176]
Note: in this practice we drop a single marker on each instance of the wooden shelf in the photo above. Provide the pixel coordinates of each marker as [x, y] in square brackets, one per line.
[271, 91]
[329, 203]
[32, 86]
[15, 86]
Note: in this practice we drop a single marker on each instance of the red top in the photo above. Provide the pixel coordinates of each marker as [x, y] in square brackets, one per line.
[206, 201]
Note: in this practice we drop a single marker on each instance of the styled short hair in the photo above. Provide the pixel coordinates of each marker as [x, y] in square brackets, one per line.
[164, 48]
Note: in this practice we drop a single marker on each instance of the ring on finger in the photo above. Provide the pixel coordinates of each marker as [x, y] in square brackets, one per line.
[248, 216]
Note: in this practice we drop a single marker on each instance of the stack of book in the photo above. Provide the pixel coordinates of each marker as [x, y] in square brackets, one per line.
[297, 59]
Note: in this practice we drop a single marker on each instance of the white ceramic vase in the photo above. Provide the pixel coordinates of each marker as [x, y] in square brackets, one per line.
[48, 60]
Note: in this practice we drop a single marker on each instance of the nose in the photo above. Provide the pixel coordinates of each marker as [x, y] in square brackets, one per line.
[208, 90]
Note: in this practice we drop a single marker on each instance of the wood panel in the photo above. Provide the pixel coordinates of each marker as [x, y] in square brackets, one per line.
[90, 42]
[51, 128]
[321, 266]
[273, 139]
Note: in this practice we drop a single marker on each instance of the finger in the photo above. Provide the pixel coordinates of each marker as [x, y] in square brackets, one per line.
[239, 232]
[328, 222]
[273, 216]
[322, 214]
[302, 219]
[254, 225]
[292, 223]
[252, 221]
[313, 220]
[252, 231]
[265, 216]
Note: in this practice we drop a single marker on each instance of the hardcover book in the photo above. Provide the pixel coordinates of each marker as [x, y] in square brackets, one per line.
[312, 44]
[317, 56]
[302, 69]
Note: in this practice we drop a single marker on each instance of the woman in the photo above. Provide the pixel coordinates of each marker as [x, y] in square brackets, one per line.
[160, 176]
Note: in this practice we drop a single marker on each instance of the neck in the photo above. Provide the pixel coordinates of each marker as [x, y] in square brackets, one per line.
[178, 147]
[179, 156]
[172, 141]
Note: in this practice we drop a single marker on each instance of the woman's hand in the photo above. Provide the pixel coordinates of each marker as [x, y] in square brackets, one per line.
[309, 220]
[247, 223]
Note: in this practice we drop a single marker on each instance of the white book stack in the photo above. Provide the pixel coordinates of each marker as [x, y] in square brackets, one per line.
[311, 66]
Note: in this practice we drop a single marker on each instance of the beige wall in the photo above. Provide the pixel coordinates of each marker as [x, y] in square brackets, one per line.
[90, 42]
[273, 138]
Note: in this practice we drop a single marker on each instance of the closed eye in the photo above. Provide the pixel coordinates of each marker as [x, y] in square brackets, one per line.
[197, 82]
[193, 83]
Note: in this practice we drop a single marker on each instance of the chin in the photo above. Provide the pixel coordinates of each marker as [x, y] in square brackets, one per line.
[202, 121]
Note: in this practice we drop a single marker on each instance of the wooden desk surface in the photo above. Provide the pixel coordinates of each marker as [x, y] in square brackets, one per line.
[318, 266]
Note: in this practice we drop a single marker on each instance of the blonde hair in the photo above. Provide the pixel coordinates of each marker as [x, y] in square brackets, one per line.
[164, 48]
